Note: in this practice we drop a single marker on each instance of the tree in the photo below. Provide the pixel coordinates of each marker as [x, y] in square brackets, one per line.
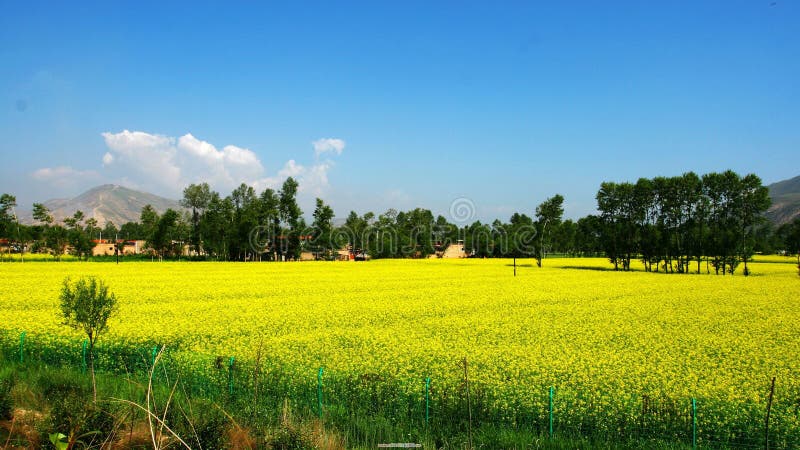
[86, 306]
[149, 219]
[548, 213]
[42, 214]
[78, 236]
[165, 234]
[725, 215]
[618, 212]
[478, 240]
[7, 217]
[792, 239]
[269, 220]
[56, 239]
[322, 227]
[356, 229]
[378, 238]
[132, 231]
[7, 204]
[520, 235]
[444, 234]
[196, 197]
[245, 220]
[216, 225]
[588, 237]
[564, 238]
[415, 230]
[110, 231]
[753, 202]
[290, 215]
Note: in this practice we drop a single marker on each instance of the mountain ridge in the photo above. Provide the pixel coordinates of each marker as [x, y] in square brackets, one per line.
[785, 196]
[107, 203]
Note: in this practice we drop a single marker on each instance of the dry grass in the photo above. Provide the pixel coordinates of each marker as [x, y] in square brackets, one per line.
[324, 439]
[21, 428]
[240, 438]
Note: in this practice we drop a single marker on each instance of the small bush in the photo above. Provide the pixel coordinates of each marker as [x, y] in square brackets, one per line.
[211, 427]
[206, 426]
[72, 411]
[54, 385]
[289, 438]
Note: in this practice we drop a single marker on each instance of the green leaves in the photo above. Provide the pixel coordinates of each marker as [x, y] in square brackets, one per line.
[57, 439]
[87, 305]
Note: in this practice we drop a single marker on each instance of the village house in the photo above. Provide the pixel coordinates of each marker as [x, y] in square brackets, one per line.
[107, 247]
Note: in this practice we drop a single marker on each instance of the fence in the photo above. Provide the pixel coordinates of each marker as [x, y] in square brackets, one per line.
[376, 408]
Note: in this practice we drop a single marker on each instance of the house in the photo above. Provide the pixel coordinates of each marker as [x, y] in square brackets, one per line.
[103, 247]
[107, 247]
[454, 250]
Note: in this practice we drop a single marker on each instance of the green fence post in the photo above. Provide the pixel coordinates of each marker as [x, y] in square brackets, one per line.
[230, 375]
[22, 347]
[153, 355]
[83, 355]
[694, 424]
[550, 407]
[427, 400]
[319, 391]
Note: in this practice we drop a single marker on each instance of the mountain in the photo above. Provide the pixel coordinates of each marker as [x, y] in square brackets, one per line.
[109, 202]
[785, 197]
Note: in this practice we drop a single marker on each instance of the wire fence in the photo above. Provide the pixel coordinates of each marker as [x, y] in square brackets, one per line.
[373, 407]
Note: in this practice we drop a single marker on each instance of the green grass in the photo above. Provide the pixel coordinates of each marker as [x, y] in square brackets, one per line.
[48, 400]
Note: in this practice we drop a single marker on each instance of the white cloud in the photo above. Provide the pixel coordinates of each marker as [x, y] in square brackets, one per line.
[315, 179]
[166, 165]
[227, 168]
[65, 177]
[311, 180]
[149, 156]
[328, 145]
[291, 169]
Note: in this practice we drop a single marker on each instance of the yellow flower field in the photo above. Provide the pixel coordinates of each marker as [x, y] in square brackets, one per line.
[590, 332]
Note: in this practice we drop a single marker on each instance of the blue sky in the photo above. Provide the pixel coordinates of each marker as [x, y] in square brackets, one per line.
[422, 103]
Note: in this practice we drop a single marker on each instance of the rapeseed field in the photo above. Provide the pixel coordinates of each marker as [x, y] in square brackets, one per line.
[608, 342]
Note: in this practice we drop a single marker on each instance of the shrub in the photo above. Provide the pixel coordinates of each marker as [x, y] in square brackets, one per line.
[72, 411]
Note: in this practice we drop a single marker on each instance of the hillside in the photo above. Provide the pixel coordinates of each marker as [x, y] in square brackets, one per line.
[785, 197]
[109, 202]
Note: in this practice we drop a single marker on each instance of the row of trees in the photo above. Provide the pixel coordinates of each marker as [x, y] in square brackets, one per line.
[672, 224]
[246, 225]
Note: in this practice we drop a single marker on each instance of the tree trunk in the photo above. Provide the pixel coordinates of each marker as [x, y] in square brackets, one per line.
[91, 369]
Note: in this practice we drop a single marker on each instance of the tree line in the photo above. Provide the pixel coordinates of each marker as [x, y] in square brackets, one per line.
[672, 224]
